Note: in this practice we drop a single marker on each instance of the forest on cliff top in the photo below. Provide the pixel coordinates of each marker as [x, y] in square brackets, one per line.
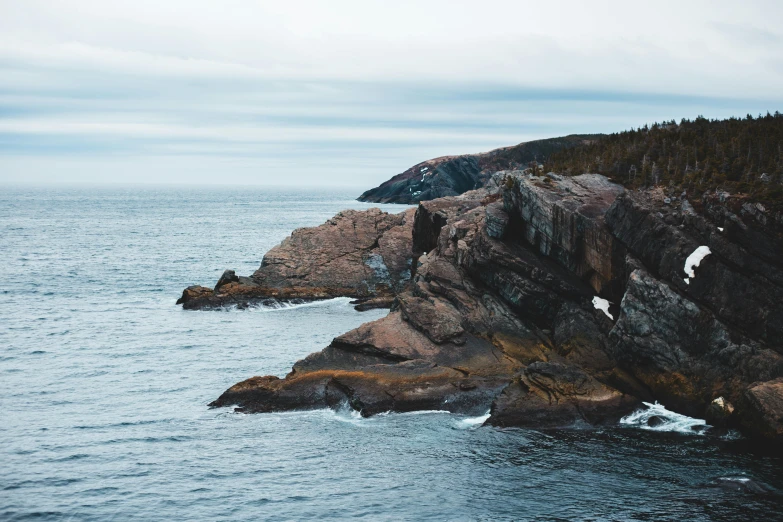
[738, 155]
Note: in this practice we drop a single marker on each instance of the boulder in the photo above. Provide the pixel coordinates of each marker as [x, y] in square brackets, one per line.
[761, 410]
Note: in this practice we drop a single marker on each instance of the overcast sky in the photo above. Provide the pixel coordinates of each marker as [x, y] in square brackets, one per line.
[348, 93]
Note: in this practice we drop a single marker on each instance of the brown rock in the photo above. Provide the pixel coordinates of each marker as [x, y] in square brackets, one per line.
[761, 410]
[557, 395]
[500, 300]
[363, 254]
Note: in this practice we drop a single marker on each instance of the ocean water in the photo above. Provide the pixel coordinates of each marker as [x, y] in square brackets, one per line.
[104, 384]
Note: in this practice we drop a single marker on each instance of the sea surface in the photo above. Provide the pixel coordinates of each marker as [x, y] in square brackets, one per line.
[104, 386]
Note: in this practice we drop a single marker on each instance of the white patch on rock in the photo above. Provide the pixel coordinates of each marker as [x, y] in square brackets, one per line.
[687, 281]
[603, 305]
[695, 259]
[720, 228]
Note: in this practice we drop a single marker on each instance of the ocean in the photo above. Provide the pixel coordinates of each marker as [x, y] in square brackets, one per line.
[104, 386]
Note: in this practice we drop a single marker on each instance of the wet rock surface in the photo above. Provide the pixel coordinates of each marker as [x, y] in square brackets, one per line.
[491, 296]
[551, 395]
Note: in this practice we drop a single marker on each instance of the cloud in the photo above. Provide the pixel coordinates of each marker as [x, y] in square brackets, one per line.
[362, 83]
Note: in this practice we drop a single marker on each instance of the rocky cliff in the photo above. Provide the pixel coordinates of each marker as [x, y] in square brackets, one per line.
[549, 301]
[360, 254]
[455, 175]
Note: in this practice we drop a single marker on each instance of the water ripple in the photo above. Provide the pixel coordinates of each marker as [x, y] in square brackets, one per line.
[105, 384]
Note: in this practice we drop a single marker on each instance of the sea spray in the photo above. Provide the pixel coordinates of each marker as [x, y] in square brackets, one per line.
[655, 417]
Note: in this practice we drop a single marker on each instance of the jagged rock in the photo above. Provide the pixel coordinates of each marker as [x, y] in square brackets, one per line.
[361, 254]
[385, 365]
[342, 257]
[477, 306]
[497, 220]
[742, 289]
[362, 305]
[497, 307]
[563, 218]
[194, 294]
[436, 318]
[719, 412]
[229, 276]
[681, 352]
[431, 216]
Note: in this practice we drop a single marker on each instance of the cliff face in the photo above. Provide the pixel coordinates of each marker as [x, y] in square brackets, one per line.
[504, 309]
[455, 175]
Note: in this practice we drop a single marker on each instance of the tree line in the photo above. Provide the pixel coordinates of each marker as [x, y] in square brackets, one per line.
[738, 155]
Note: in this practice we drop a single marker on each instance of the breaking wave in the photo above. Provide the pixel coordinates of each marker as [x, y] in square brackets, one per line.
[655, 417]
[275, 305]
[471, 422]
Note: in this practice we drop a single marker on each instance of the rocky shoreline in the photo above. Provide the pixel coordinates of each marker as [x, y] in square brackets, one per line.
[493, 296]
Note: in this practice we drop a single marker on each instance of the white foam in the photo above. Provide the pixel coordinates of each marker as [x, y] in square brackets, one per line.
[421, 412]
[741, 480]
[671, 421]
[694, 260]
[278, 306]
[348, 414]
[603, 305]
[731, 435]
[471, 422]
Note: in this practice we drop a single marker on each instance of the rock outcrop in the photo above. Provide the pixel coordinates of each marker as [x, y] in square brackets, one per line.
[553, 394]
[497, 312]
[455, 175]
[361, 254]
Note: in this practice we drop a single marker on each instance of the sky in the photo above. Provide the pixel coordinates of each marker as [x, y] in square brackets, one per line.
[348, 93]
